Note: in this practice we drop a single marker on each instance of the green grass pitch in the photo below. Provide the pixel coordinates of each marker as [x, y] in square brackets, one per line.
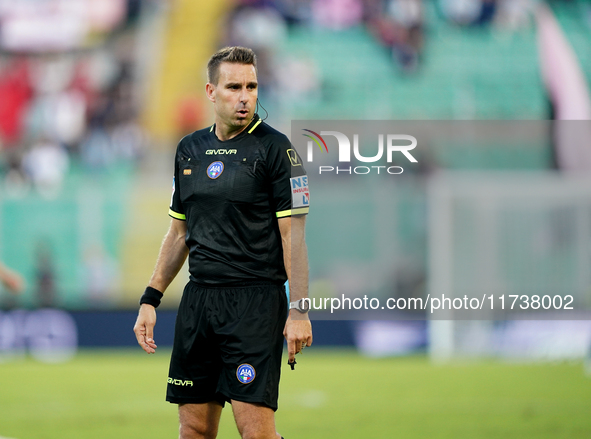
[331, 394]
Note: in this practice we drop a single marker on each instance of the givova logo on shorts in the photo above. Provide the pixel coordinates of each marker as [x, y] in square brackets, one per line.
[245, 373]
[180, 382]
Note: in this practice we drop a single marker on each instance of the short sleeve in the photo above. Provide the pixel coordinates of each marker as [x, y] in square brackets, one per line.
[176, 207]
[288, 179]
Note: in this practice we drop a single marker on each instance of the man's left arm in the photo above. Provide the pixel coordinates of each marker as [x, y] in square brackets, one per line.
[298, 329]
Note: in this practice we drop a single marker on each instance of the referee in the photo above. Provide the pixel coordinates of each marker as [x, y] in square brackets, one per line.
[238, 212]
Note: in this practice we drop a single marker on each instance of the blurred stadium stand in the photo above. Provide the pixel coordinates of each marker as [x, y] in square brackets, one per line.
[189, 36]
[465, 74]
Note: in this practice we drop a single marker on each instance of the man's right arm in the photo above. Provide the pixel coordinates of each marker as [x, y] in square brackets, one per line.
[171, 258]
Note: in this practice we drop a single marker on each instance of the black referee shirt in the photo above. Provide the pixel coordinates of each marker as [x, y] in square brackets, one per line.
[231, 194]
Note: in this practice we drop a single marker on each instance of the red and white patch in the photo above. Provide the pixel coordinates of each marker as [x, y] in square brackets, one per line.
[300, 194]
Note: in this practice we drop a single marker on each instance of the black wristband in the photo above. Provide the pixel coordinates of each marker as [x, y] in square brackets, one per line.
[151, 296]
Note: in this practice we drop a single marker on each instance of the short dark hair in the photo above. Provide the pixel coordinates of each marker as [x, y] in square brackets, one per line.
[236, 54]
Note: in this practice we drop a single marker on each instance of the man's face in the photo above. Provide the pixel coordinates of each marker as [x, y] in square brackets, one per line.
[235, 94]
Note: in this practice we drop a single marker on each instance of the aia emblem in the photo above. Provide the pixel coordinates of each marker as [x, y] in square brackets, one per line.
[215, 170]
[245, 373]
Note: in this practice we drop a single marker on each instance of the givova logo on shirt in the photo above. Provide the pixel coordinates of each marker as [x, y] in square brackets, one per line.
[300, 194]
[245, 373]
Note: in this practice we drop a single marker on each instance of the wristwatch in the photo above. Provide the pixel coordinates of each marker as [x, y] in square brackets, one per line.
[302, 305]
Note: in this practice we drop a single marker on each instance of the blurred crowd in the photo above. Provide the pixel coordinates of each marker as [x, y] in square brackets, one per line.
[67, 73]
[67, 100]
[398, 25]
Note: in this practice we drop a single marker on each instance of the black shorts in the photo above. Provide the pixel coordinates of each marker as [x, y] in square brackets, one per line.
[228, 344]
